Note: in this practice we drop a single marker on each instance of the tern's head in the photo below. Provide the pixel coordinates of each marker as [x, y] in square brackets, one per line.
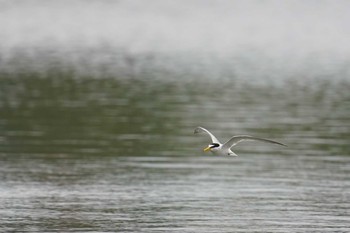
[212, 146]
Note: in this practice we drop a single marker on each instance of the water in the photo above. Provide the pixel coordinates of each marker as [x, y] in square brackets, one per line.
[98, 108]
[180, 194]
[116, 155]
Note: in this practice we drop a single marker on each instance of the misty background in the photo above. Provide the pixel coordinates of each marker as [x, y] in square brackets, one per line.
[99, 100]
[254, 40]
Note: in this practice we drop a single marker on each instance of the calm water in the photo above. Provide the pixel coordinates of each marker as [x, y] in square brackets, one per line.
[109, 155]
[99, 100]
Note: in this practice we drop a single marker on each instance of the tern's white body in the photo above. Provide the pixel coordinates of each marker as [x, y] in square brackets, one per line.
[222, 151]
[218, 148]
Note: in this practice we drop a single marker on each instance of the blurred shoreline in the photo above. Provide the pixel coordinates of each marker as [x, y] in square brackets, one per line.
[263, 43]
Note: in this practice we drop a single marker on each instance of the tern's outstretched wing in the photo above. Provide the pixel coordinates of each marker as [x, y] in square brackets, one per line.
[201, 129]
[237, 139]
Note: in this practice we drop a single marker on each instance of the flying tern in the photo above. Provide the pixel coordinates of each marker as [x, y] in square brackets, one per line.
[225, 149]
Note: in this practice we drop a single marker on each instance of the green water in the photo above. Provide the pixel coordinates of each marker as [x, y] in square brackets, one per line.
[99, 100]
[118, 154]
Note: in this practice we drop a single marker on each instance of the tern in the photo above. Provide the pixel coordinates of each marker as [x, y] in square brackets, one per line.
[218, 148]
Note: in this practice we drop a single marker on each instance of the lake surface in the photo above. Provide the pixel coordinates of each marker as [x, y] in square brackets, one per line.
[119, 155]
[99, 100]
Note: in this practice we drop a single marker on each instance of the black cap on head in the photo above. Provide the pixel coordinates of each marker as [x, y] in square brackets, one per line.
[213, 145]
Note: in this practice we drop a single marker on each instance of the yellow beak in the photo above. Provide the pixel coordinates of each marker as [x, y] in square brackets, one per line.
[207, 148]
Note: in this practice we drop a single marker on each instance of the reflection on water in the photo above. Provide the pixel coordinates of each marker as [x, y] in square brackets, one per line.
[111, 154]
[98, 107]
[146, 117]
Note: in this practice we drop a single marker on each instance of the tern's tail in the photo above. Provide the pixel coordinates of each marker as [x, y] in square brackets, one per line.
[231, 153]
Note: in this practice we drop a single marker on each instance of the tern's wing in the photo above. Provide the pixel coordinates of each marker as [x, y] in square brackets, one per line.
[237, 139]
[201, 129]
